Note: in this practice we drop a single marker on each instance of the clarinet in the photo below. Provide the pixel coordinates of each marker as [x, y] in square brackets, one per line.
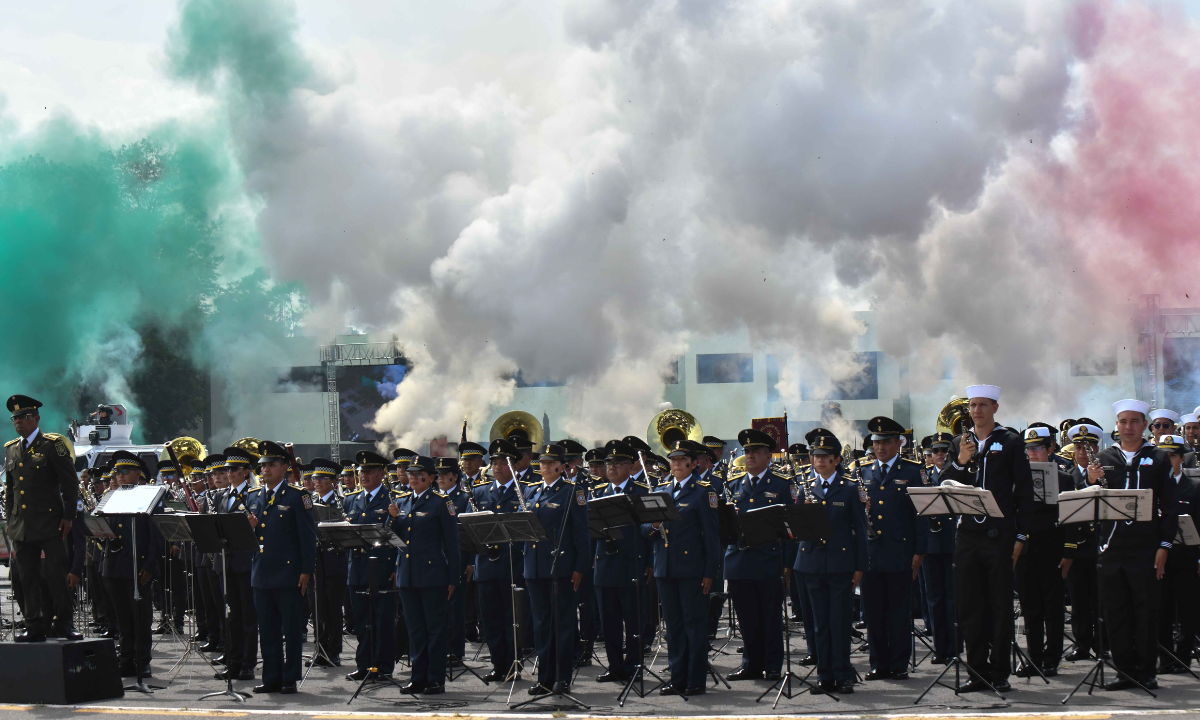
[520, 490]
[470, 495]
[1094, 459]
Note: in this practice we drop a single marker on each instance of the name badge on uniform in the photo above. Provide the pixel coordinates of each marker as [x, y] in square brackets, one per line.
[770, 495]
[421, 514]
[839, 504]
[552, 506]
[284, 507]
[901, 481]
[381, 511]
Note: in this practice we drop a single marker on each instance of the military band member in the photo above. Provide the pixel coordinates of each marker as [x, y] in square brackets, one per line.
[427, 572]
[232, 471]
[41, 490]
[986, 548]
[1190, 424]
[574, 471]
[554, 569]
[895, 539]
[281, 515]
[369, 506]
[329, 587]
[210, 602]
[1133, 555]
[494, 569]
[618, 565]
[133, 616]
[471, 459]
[174, 580]
[685, 565]
[1083, 548]
[449, 483]
[522, 465]
[753, 574]
[349, 479]
[937, 569]
[1044, 564]
[1162, 422]
[832, 567]
[1180, 583]
[801, 610]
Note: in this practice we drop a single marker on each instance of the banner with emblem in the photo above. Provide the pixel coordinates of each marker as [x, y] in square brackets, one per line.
[776, 427]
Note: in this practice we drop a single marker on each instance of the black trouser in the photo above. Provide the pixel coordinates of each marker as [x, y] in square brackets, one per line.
[496, 612]
[1040, 588]
[983, 591]
[326, 596]
[1129, 590]
[456, 643]
[759, 606]
[619, 620]
[134, 629]
[281, 611]
[241, 647]
[1081, 584]
[806, 615]
[1179, 592]
[425, 615]
[470, 611]
[48, 604]
[552, 604]
[587, 616]
[829, 596]
[887, 598]
[938, 571]
[97, 595]
[208, 587]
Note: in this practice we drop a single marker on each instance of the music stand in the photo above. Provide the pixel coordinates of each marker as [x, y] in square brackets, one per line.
[133, 501]
[488, 528]
[322, 514]
[956, 499]
[174, 529]
[1093, 505]
[786, 523]
[222, 533]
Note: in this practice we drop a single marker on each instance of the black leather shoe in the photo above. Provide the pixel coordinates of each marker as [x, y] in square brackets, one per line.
[288, 689]
[1150, 683]
[539, 689]
[1025, 671]
[1050, 672]
[1119, 684]
[1002, 686]
[262, 689]
[744, 674]
[27, 636]
[898, 676]
[226, 675]
[246, 675]
[773, 676]
[694, 691]
[493, 676]
[669, 689]
[974, 686]
[434, 690]
[823, 687]
[877, 675]
[357, 675]
[69, 633]
[211, 646]
[938, 660]
[199, 638]
[845, 687]
[809, 661]
[1079, 656]
[1168, 667]
[611, 676]
[562, 686]
[413, 688]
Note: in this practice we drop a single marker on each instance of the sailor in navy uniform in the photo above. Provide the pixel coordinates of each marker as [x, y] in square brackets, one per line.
[133, 617]
[937, 569]
[428, 572]
[832, 567]
[893, 538]
[986, 548]
[554, 569]
[753, 574]
[494, 569]
[287, 548]
[618, 565]
[369, 506]
[241, 647]
[450, 484]
[328, 588]
[685, 566]
[1180, 584]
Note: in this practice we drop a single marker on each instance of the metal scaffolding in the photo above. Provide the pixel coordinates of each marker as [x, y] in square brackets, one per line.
[345, 354]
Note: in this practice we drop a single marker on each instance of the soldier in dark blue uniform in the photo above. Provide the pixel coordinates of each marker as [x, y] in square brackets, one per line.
[369, 506]
[241, 647]
[1082, 549]
[1179, 583]
[753, 574]
[494, 569]
[450, 484]
[427, 573]
[937, 568]
[833, 566]
[618, 565]
[211, 602]
[287, 547]
[893, 537]
[329, 580]
[554, 569]
[471, 458]
[133, 617]
[802, 466]
[585, 641]
[685, 566]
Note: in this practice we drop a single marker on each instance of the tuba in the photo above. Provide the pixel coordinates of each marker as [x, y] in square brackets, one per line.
[671, 426]
[188, 450]
[517, 422]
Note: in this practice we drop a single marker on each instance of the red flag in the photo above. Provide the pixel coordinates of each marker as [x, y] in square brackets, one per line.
[776, 427]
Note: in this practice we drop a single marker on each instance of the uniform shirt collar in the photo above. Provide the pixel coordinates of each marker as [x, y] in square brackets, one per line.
[32, 436]
[372, 493]
[885, 467]
[826, 480]
[621, 488]
[328, 496]
[756, 478]
[242, 488]
[423, 493]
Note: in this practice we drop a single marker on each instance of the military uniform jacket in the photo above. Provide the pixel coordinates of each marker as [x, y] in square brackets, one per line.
[333, 563]
[562, 510]
[1043, 527]
[688, 547]
[1080, 540]
[233, 500]
[894, 530]
[1184, 557]
[1149, 469]
[619, 562]
[287, 536]
[1001, 466]
[427, 524]
[459, 497]
[363, 509]
[118, 552]
[939, 529]
[41, 487]
[764, 562]
[846, 550]
[495, 563]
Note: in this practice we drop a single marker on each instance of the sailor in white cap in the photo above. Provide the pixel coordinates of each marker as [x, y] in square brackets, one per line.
[1191, 435]
[1133, 555]
[1162, 422]
[1180, 583]
[1081, 579]
[986, 550]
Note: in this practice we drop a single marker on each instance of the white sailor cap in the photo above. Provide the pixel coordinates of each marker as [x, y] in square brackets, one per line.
[1137, 406]
[1087, 430]
[1172, 442]
[991, 392]
[1196, 412]
[1190, 418]
[1164, 413]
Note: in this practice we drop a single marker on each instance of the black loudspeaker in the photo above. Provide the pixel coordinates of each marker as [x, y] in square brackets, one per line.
[59, 673]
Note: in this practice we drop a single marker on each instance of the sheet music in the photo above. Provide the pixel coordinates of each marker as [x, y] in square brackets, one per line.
[929, 501]
[1045, 482]
[1112, 505]
[1187, 534]
[954, 498]
[131, 500]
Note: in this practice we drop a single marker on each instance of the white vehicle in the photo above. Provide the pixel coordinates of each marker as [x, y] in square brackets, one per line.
[95, 444]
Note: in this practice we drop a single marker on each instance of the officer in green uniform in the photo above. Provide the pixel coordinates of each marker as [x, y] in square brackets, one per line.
[40, 501]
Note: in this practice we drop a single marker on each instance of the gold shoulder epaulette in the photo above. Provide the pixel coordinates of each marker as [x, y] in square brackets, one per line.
[569, 482]
[52, 436]
[10, 442]
[352, 492]
[481, 482]
[439, 493]
[295, 486]
[641, 484]
[910, 461]
[703, 483]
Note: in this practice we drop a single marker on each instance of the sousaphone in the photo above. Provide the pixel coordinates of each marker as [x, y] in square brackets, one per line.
[517, 422]
[669, 427]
